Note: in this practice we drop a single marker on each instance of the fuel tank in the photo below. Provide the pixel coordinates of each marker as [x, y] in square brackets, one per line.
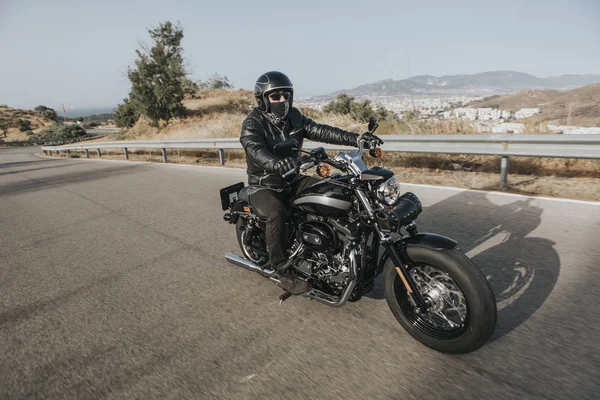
[325, 198]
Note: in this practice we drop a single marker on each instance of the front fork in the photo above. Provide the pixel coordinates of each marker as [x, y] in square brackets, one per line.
[398, 256]
[401, 261]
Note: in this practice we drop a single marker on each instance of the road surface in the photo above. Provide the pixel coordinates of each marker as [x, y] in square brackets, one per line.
[113, 284]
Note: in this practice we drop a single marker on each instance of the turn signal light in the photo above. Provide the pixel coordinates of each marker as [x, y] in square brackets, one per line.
[323, 171]
[378, 152]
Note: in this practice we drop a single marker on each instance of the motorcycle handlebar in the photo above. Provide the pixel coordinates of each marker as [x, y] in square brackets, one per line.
[336, 164]
[312, 160]
[289, 173]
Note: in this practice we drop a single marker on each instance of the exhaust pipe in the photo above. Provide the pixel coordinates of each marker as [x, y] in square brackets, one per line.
[249, 265]
[332, 300]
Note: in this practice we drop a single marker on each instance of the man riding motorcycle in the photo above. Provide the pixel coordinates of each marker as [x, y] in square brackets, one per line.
[274, 120]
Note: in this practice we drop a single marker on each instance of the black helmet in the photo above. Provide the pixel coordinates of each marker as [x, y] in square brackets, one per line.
[267, 82]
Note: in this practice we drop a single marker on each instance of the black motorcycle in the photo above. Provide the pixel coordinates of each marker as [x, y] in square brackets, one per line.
[350, 227]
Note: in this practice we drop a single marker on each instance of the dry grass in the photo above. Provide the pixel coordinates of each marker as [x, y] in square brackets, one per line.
[220, 114]
[564, 167]
[394, 126]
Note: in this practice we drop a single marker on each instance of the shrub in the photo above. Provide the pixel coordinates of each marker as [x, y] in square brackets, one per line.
[361, 111]
[59, 132]
[24, 125]
[216, 82]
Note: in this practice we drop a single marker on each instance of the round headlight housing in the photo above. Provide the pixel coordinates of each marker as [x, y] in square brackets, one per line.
[389, 191]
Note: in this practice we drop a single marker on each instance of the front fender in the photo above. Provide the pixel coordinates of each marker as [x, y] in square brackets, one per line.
[429, 240]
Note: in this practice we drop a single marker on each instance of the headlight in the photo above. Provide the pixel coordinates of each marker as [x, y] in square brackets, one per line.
[388, 192]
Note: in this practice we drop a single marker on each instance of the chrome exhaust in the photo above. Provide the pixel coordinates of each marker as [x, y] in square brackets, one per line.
[249, 265]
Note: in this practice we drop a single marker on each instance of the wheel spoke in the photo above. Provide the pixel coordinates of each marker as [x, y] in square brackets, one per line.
[449, 308]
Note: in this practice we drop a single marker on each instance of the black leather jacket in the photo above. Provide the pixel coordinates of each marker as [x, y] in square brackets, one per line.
[259, 136]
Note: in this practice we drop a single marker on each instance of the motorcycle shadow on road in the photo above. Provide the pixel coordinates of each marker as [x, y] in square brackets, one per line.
[521, 268]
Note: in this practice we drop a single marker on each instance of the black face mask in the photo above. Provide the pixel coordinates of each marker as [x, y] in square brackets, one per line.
[280, 109]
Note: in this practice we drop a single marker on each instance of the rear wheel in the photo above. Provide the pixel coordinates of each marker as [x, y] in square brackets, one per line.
[462, 315]
[251, 242]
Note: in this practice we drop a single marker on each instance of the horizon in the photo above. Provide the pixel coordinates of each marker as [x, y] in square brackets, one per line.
[326, 51]
[87, 110]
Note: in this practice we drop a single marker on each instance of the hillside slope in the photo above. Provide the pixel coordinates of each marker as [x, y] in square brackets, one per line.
[11, 116]
[216, 113]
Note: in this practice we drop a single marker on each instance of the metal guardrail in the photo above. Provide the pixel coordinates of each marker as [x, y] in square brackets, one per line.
[505, 146]
[25, 143]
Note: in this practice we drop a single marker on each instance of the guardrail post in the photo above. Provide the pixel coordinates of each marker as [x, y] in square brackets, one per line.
[87, 153]
[69, 153]
[126, 154]
[164, 152]
[222, 156]
[503, 171]
[98, 153]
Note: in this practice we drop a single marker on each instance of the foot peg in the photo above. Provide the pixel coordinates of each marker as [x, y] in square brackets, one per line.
[284, 296]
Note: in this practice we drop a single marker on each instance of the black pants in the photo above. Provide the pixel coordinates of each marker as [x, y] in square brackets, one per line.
[276, 206]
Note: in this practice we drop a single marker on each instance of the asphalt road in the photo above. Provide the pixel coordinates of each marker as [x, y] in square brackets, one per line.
[113, 284]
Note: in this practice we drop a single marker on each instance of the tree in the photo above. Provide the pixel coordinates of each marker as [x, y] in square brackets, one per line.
[159, 75]
[126, 114]
[47, 112]
[24, 125]
[190, 88]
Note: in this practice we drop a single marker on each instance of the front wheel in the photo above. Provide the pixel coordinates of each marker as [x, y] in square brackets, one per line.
[462, 315]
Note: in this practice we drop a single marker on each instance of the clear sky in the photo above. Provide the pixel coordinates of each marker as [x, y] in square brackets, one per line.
[76, 52]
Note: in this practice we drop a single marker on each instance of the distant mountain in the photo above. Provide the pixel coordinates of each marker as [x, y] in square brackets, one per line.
[497, 82]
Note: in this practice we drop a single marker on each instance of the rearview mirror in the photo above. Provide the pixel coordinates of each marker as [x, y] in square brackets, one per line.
[372, 124]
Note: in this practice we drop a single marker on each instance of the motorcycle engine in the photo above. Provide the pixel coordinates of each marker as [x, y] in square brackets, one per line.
[318, 236]
[324, 256]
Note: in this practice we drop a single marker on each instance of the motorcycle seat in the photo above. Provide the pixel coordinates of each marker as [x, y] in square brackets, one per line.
[246, 195]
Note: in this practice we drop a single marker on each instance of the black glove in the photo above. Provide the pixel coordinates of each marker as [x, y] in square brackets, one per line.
[369, 137]
[285, 165]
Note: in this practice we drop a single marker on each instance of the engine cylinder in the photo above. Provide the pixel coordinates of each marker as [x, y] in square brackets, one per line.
[318, 236]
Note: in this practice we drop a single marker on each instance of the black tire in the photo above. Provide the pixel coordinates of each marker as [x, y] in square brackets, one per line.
[481, 314]
[240, 227]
